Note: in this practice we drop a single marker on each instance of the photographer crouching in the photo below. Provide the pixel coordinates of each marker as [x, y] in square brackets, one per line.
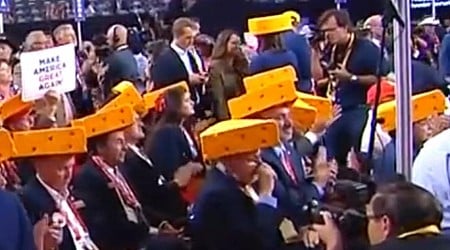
[400, 216]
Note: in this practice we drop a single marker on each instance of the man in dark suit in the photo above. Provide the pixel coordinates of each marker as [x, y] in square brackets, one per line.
[122, 65]
[179, 62]
[150, 185]
[47, 197]
[229, 214]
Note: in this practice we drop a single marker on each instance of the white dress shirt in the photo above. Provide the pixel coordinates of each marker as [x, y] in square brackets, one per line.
[79, 235]
[431, 170]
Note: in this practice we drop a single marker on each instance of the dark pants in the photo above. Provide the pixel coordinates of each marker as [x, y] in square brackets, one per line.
[346, 133]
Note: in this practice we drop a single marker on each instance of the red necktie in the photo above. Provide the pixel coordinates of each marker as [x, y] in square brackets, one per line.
[288, 165]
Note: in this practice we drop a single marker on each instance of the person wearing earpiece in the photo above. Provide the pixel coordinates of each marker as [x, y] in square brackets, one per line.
[121, 65]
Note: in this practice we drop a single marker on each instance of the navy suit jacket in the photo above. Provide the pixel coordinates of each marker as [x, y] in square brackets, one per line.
[16, 232]
[272, 59]
[299, 45]
[225, 218]
[168, 69]
[169, 149]
[292, 196]
[104, 214]
[145, 179]
[121, 67]
[38, 202]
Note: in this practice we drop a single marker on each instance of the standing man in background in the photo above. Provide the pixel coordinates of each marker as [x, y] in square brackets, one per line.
[121, 63]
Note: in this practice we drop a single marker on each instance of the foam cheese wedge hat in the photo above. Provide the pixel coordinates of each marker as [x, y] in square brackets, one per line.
[263, 79]
[293, 15]
[151, 97]
[323, 105]
[254, 102]
[238, 136]
[107, 121]
[7, 150]
[126, 94]
[47, 142]
[423, 105]
[303, 114]
[14, 106]
[269, 24]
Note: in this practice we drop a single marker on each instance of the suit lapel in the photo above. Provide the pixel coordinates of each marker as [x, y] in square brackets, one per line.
[274, 159]
[296, 163]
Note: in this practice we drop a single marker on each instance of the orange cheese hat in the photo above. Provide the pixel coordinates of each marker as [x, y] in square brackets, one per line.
[126, 94]
[269, 24]
[14, 107]
[303, 115]
[323, 105]
[293, 15]
[47, 142]
[106, 121]
[233, 137]
[263, 79]
[7, 150]
[254, 102]
[423, 105]
[151, 97]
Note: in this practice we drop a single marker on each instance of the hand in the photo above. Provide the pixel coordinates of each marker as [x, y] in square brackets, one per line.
[196, 79]
[310, 237]
[182, 176]
[321, 170]
[328, 233]
[167, 229]
[320, 125]
[196, 167]
[353, 161]
[336, 113]
[266, 179]
[341, 73]
[47, 236]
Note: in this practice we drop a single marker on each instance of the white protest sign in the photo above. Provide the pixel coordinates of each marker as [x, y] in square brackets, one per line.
[49, 69]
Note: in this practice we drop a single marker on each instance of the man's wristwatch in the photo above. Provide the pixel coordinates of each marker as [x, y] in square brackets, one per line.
[354, 78]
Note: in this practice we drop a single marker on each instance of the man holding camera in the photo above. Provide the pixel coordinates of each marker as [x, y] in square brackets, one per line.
[352, 65]
[400, 216]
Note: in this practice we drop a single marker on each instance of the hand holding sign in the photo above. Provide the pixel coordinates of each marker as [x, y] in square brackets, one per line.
[49, 69]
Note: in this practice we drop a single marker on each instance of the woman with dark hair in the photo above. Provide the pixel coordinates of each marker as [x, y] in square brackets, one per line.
[171, 144]
[228, 67]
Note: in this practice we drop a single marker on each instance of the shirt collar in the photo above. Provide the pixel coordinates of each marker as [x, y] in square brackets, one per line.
[56, 195]
[178, 49]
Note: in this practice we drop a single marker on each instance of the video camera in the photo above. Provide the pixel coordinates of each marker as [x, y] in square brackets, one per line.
[347, 205]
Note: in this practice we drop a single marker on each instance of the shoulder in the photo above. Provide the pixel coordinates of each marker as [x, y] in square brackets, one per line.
[366, 45]
[8, 199]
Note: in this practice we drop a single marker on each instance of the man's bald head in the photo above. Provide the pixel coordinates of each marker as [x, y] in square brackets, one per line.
[375, 24]
[117, 35]
[35, 40]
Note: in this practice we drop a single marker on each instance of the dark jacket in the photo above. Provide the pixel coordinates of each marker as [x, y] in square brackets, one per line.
[38, 202]
[168, 69]
[440, 242]
[104, 214]
[121, 67]
[225, 218]
[149, 186]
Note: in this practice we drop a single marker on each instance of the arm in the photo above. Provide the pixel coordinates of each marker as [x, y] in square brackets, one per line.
[370, 65]
[26, 230]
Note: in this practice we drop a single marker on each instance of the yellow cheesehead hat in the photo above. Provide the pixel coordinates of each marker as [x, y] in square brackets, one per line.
[233, 137]
[269, 24]
[151, 97]
[303, 114]
[261, 80]
[127, 94]
[7, 150]
[47, 142]
[107, 121]
[262, 99]
[323, 105]
[423, 106]
[12, 107]
[293, 15]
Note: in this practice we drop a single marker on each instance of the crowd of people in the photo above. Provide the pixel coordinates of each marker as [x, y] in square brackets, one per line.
[248, 141]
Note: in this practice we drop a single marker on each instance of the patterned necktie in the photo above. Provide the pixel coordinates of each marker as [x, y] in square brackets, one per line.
[288, 166]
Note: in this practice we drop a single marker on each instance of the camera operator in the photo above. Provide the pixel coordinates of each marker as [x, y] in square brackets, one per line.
[400, 216]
